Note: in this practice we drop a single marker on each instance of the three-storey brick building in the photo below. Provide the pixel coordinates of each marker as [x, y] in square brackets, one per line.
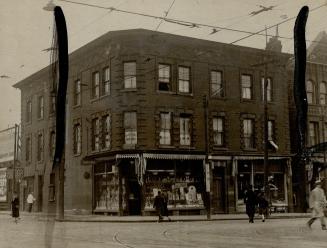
[136, 124]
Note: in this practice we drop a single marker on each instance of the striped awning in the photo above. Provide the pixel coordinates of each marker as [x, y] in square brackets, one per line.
[128, 155]
[258, 158]
[214, 157]
[173, 156]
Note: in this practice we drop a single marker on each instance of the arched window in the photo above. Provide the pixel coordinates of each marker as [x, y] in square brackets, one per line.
[310, 92]
[323, 93]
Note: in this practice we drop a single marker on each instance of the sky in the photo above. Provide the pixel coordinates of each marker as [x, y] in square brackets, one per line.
[26, 29]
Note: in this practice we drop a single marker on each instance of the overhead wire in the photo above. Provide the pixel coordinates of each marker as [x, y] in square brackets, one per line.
[166, 14]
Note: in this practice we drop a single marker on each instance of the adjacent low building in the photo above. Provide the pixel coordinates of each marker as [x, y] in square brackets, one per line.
[139, 105]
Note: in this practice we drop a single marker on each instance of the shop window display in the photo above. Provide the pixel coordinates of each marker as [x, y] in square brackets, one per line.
[183, 188]
[107, 189]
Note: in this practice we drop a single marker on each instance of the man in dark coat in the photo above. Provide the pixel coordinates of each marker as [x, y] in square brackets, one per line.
[15, 207]
[250, 201]
[159, 205]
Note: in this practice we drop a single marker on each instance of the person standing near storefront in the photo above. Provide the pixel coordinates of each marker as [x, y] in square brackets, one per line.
[317, 203]
[158, 205]
[250, 201]
[15, 207]
[165, 203]
[263, 206]
[30, 200]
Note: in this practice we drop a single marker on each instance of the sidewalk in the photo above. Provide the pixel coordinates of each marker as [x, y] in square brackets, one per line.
[128, 219]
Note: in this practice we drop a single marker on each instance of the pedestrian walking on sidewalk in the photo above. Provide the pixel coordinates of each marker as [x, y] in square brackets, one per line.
[15, 207]
[317, 203]
[165, 203]
[158, 205]
[250, 201]
[263, 206]
[30, 200]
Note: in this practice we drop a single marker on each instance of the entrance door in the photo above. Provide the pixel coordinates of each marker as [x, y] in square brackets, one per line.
[40, 193]
[218, 195]
[134, 197]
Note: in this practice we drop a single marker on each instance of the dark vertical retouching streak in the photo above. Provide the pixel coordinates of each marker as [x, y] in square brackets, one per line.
[62, 40]
[300, 98]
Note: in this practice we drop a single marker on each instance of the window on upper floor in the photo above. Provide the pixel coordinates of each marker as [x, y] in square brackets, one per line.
[269, 89]
[52, 144]
[105, 81]
[77, 144]
[310, 87]
[77, 92]
[95, 85]
[313, 133]
[28, 149]
[165, 129]
[218, 131]
[184, 79]
[29, 111]
[95, 139]
[52, 107]
[323, 93]
[40, 147]
[247, 86]
[248, 133]
[216, 81]
[130, 75]
[130, 126]
[164, 77]
[40, 112]
[105, 134]
[185, 129]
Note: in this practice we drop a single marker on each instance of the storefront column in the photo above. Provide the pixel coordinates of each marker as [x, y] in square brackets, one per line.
[120, 191]
[289, 186]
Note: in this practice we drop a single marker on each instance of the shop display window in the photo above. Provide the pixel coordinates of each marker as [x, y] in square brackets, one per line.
[183, 187]
[107, 188]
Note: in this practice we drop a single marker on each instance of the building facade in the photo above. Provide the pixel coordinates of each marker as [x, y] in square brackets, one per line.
[139, 106]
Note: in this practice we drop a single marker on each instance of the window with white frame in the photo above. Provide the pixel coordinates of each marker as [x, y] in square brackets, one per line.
[165, 129]
[246, 81]
[95, 84]
[77, 145]
[248, 133]
[164, 77]
[106, 126]
[269, 89]
[184, 83]
[130, 75]
[29, 111]
[218, 131]
[271, 130]
[40, 149]
[310, 92]
[95, 134]
[323, 93]
[313, 133]
[106, 81]
[130, 126]
[216, 84]
[185, 130]
[77, 92]
[40, 112]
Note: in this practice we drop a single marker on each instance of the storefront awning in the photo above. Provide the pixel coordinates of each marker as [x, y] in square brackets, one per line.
[258, 158]
[219, 157]
[133, 155]
[173, 156]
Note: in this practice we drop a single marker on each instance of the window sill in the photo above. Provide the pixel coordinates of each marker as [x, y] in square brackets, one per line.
[166, 146]
[77, 154]
[185, 94]
[247, 100]
[169, 92]
[221, 148]
[218, 97]
[129, 146]
[128, 90]
[94, 99]
[186, 147]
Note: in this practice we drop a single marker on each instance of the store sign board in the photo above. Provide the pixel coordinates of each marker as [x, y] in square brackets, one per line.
[207, 177]
[7, 142]
[3, 185]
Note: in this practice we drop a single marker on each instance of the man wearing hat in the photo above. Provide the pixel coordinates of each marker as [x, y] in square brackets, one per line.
[317, 202]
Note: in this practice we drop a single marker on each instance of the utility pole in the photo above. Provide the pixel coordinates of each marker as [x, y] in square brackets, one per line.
[15, 158]
[207, 165]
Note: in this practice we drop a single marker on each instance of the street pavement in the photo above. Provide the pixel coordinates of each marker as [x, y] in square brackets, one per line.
[41, 233]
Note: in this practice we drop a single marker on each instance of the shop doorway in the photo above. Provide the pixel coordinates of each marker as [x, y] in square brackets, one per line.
[134, 197]
[40, 193]
[218, 198]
